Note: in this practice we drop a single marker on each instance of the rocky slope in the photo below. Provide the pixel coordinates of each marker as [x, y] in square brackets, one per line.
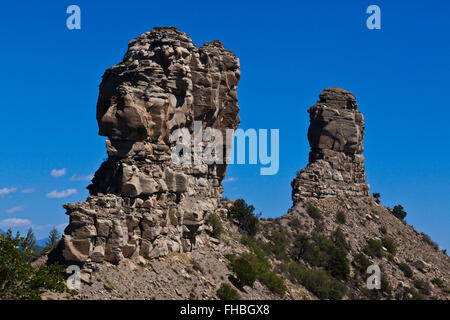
[154, 229]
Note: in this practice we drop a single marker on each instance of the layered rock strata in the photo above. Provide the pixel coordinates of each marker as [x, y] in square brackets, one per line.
[141, 202]
[336, 163]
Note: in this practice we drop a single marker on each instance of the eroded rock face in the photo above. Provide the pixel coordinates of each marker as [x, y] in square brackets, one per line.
[141, 202]
[336, 163]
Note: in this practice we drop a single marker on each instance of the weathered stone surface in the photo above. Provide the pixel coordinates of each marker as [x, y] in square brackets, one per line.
[86, 231]
[141, 202]
[98, 254]
[76, 250]
[336, 165]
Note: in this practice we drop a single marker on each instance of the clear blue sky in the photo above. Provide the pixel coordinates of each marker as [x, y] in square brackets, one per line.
[289, 52]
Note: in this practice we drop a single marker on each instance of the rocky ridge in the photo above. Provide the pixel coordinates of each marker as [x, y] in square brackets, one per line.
[330, 197]
[143, 231]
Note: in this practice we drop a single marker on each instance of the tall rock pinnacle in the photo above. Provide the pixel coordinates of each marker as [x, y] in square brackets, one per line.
[142, 203]
[336, 165]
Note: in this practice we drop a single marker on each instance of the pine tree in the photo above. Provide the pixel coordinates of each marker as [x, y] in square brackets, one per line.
[399, 212]
[29, 245]
[53, 238]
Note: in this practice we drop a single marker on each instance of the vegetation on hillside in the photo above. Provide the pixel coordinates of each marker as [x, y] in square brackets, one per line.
[227, 292]
[19, 279]
[244, 214]
[214, 221]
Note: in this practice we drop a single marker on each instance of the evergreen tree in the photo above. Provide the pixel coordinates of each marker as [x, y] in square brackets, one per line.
[399, 212]
[19, 279]
[53, 238]
[29, 245]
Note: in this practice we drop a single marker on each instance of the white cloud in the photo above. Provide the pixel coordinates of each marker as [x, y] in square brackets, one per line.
[230, 179]
[30, 190]
[61, 194]
[14, 223]
[82, 178]
[15, 209]
[6, 191]
[58, 172]
[61, 226]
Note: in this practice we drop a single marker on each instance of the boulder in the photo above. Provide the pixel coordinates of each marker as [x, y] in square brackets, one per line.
[76, 250]
[421, 265]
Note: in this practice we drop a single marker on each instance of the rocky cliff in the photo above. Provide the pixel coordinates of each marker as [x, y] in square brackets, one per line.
[141, 202]
[336, 163]
[155, 229]
[332, 208]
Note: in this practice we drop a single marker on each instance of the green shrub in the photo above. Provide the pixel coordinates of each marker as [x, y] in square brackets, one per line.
[438, 282]
[192, 295]
[227, 292]
[109, 287]
[341, 218]
[383, 230]
[322, 285]
[259, 264]
[416, 295]
[422, 286]
[426, 238]
[409, 294]
[214, 221]
[365, 292]
[244, 271]
[230, 257]
[374, 248]
[376, 196]
[391, 258]
[258, 247]
[294, 223]
[406, 269]
[243, 213]
[29, 246]
[318, 282]
[19, 279]
[250, 266]
[385, 286]
[361, 263]
[319, 227]
[278, 244]
[273, 282]
[340, 240]
[313, 211]
[385, 290]
[196, 266]
[322, 252]
[53, 238]
[338, 265]
[305, 249]
[389, 244]
[399, 212]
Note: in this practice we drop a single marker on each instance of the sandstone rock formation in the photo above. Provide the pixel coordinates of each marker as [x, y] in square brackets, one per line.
[336, 163]
[141, 203]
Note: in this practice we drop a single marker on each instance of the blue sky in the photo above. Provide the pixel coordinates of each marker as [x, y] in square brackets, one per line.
[289, 52]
